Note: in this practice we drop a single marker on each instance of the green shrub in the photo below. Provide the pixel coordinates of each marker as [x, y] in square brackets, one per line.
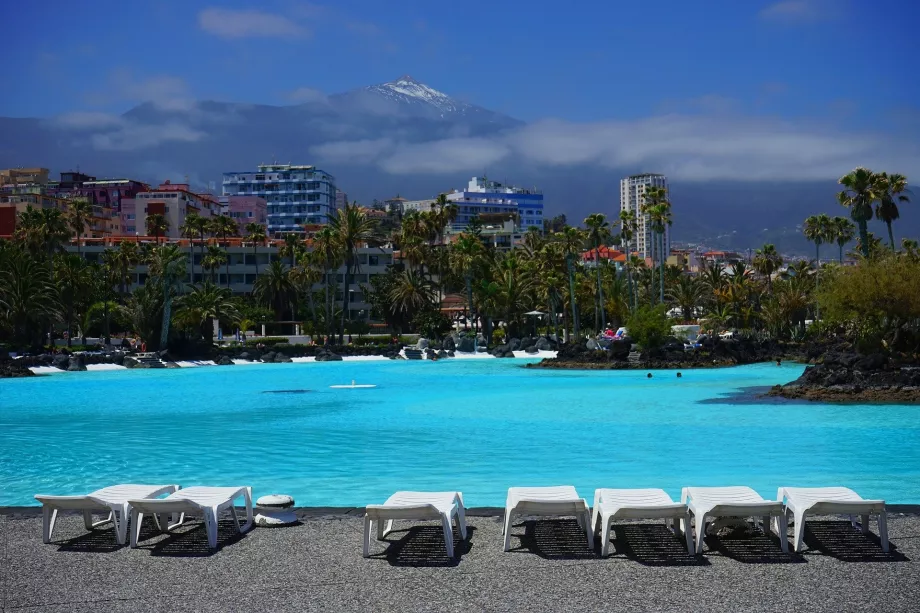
[649, 326]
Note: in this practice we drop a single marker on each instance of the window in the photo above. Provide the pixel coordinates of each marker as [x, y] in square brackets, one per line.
[249, 214]
[312, 197]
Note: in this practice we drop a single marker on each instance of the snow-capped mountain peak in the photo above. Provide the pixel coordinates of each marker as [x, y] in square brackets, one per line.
[407, 90]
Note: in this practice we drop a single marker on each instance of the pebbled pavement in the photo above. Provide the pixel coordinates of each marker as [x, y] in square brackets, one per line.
[317, 566]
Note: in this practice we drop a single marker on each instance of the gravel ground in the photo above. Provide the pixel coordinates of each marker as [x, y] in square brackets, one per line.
[317, 566]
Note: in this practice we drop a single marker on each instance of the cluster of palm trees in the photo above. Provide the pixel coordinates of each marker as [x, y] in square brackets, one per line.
[863, 189]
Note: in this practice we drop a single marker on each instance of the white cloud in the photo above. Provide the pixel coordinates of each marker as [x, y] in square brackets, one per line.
[306, 94]
[108, 132]
[795, 11]
[233, 23]
[166, 92]
[689, 148]
[88, 120]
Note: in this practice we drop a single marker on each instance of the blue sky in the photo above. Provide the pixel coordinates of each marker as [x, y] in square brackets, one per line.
[822, 60]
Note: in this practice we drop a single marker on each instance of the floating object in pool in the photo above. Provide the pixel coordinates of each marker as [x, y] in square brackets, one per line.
[353, 386]
[286, 391]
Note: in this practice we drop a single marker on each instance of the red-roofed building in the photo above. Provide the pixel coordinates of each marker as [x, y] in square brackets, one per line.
[604, 253]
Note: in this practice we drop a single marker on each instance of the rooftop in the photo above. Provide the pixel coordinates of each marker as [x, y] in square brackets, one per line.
[317, 565]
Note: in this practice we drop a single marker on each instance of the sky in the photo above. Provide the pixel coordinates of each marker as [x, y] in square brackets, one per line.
[580, 61]
[703, 90]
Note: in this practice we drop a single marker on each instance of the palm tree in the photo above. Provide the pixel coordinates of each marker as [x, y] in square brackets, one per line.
[291, 247]
[352, 228]
[43, 231]
[158, 225]
[126, 257]
[862, 190]
[572, 240]
[628, 227]
[326, 244]
[28, 296]
[656, 205]
[274, 288]
[256, 235]
[167, 267]
[843, 231]
[224, 226]
[892, 189]
[74, 281]
[189, 229]
[465, 255]
[598, 233]
[687, 294]
[818, 230]
[767, 261]
[79, 212]
[304, 276]
[202, 305]
[213, 260]
[411, 292]
[201, 226]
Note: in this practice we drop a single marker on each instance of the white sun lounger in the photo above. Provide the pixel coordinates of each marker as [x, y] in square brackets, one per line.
[706, 503]
[444, 506]
[654, 503]
[556, 501]
[112, 500]
[205, 501]
[802, 501]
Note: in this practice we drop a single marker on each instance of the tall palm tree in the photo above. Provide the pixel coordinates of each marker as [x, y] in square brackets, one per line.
[205, 303]
[201, 226]
[687, 294]
[598, 234]
[892, 190]
[189, 230]
[305, 275]
[572, 240]
[224, 226]
[628, 227]
[844, 231]
[352, 228]
[167, 267]
[274, 288]
[126, 257]
[74, 281]
[861, 191]
[256, 235]
[42, 231]
[79, 212]
[213, 260]
[291, 247]
[329, 250]
[767, 261]
[818, 229]
[465, 256]
[28, 296]
[656, 205]
[411, 292]
[158, 225]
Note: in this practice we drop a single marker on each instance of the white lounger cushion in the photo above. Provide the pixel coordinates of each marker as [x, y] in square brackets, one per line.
[555, 501]
[732, 501]
[445, 506]
[205, 501]
[653, 503]
[802, 501]
[113, 499]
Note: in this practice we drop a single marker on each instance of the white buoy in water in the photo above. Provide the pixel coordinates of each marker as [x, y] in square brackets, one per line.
[353, 386]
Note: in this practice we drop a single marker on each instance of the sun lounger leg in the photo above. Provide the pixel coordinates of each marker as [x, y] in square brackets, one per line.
[865, 523]
[383, 528]
[137, 518]
[210, 522]
[49, 516]
[883, 529]
[236, 519]
[688, 533]
[367, 536]
[799, 531]
[783, 528]
[461, 520]
[605, 536]
[88, 519]
[448, 535]
[700, 532]
[506, 530]
[586, 526]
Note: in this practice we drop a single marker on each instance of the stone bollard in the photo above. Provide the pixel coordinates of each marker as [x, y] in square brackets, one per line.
[275, 510]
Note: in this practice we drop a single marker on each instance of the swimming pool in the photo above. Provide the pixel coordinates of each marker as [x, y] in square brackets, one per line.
[478, 426]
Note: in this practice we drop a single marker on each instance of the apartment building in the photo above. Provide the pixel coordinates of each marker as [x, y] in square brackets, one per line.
[295, 195]
[632, 197]
[483, 196]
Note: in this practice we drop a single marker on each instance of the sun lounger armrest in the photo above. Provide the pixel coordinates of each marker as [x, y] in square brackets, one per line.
[413, 511]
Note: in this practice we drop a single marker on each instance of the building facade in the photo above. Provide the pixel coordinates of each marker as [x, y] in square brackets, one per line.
[175, 201]
[295, 195]
[485, 196]
[244, 210]
[632, 197]
[23, 176]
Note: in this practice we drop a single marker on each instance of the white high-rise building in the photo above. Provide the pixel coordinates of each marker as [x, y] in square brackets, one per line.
[632, 196]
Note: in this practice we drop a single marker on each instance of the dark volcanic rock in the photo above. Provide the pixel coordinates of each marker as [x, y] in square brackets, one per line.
[466, 345]
[61, 361]
[77, 363]
[325, 355]
[224, 360]
[10, 369]
[848, 377]
[268, 356]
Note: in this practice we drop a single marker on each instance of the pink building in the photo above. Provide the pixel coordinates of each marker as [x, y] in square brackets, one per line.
[244, 210]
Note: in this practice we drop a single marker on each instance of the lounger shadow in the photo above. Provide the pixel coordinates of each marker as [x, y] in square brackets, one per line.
[838, 539]
[423, 546]
[652, 544]
[553, 539]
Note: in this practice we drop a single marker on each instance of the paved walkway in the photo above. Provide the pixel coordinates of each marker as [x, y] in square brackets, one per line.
[317, 566]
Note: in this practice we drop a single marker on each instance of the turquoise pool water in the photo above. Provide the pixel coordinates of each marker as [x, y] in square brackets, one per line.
[478, 426]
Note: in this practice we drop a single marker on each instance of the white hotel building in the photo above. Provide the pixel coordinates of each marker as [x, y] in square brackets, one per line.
[632, 196]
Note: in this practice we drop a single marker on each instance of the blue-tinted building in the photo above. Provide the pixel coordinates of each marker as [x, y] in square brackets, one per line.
[295, 195]
[482, 197]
